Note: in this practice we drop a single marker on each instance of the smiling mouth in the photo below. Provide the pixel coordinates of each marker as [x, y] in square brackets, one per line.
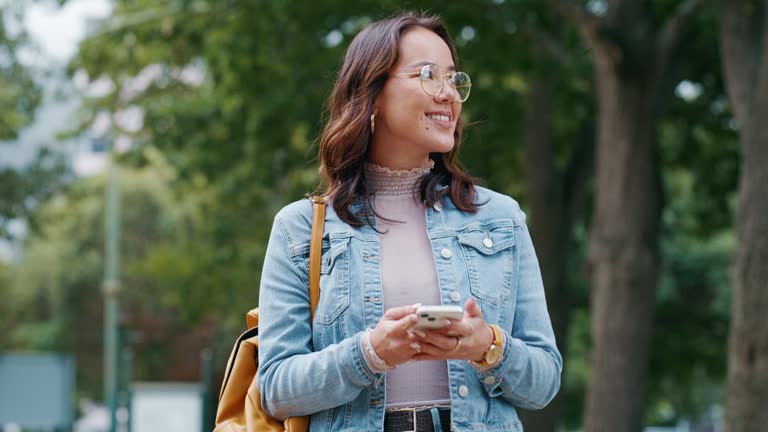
[440, 119]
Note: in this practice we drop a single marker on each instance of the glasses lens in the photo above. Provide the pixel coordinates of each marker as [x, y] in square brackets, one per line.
[463, 85]
[430, 80]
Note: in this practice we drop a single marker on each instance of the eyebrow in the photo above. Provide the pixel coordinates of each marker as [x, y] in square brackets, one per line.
[424, 63]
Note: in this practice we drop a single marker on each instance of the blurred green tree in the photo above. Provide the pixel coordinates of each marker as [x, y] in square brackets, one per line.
[22, 190]
[19, 98]
[635, 48]
[54, 297]
[19, 94]
[699, 157]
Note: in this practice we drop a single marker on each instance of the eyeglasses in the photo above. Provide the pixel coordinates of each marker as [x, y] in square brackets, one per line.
[432, 81]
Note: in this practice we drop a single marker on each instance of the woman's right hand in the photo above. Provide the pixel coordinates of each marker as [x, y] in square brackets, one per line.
[392, 338]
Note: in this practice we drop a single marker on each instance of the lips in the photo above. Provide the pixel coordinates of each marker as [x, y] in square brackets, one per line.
[441, 118]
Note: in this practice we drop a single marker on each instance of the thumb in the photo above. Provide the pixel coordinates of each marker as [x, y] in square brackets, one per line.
[472, 308]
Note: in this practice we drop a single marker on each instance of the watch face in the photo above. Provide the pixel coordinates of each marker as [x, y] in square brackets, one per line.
[494, 355]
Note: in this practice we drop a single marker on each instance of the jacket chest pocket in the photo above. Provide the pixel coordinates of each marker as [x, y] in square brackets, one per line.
[490, 257]
[334, 281]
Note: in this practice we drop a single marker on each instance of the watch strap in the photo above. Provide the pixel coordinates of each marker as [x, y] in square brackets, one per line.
[498, 342]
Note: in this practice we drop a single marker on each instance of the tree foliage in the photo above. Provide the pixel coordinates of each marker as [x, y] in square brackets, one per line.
[19, 94]
[19, 97]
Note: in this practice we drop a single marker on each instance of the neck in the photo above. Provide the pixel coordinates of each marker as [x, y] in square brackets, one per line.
[396, 154]
[399, 164]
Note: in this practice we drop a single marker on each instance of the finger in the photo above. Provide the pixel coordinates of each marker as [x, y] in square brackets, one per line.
[445, 343]
[457, 330]
[443, 352]
[417, 333]
[472, 308]
[432, 350]
[400, 312]
[406, 323]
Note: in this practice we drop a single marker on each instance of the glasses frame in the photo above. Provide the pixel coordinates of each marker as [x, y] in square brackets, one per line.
[445, 77]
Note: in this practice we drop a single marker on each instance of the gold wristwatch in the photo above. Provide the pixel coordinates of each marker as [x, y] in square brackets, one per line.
[493, 354]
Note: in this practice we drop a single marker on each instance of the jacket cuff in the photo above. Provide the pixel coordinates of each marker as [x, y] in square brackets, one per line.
[356, 366]
[512, 363]
[372, 359]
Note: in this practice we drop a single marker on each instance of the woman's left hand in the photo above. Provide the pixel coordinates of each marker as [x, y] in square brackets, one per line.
[467, 339]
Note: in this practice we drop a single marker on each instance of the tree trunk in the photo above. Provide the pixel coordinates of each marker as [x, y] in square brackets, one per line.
[623, 250]
[551, 228]
[744, 44]
[633, 63]
[747, 403]
[633, 60]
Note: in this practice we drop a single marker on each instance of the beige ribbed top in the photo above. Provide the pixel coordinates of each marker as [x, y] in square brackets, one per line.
[408, 276]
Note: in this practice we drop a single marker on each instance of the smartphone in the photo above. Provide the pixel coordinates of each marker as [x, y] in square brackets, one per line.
[431, 317]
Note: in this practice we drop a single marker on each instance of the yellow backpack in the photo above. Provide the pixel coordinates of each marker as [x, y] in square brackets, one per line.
[239, 407]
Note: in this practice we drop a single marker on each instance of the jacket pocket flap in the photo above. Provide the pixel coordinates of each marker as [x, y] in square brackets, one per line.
[488, 242]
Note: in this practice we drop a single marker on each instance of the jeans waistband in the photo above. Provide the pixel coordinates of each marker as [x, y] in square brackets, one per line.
[418, 420]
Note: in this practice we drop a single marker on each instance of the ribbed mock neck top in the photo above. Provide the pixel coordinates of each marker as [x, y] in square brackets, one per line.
[408, 276]
[387, 182]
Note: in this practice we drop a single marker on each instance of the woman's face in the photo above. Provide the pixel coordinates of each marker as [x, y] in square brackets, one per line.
[410, 124]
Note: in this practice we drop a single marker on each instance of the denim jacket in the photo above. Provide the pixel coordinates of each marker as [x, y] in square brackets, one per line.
[320, 370]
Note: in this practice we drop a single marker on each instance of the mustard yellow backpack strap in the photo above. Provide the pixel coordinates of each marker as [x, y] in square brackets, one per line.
[252, 318]
[315, 252]
[239, 400]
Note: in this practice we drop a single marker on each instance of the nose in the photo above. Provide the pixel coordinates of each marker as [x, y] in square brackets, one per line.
[447, 93]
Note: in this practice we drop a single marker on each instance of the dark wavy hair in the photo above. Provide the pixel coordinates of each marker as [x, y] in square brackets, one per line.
[347, 135]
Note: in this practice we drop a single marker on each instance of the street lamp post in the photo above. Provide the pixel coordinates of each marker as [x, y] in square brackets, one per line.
[111, 290]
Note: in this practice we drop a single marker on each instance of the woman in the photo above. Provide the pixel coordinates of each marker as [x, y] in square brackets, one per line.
[405, 226]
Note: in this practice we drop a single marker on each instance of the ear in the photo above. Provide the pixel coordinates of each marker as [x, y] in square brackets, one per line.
[375, 108]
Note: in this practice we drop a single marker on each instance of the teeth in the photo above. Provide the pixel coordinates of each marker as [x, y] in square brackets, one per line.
[438, 117]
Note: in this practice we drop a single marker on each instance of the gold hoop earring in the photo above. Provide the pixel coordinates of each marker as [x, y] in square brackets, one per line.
[373, 122]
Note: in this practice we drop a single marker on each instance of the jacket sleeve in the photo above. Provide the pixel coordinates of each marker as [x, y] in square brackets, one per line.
[529, 374]
[294, 380]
